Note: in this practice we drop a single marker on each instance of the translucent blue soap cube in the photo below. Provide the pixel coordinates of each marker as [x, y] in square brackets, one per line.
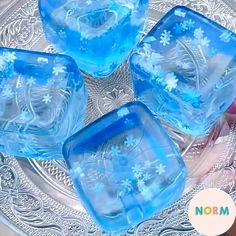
[125, 167]
[98, 34]
[43, 101]
[185, 70]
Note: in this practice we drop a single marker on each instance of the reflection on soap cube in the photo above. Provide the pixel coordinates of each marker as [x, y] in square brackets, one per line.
[125, 167]
[185, 70]
[43, 102]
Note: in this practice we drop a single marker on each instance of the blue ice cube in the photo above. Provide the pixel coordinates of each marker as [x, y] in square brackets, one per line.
[43, 101]
[185, 70]
[125, 167]
[98, 34]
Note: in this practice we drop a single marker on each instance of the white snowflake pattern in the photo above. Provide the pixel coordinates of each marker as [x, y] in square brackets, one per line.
[127, 185]
[191, 24]
[187, 25]
[7, 91]
[198, 33]
[31, 81]
[160, 169]
[130, 141]
[47, 98]
[165, 38]
[115, 151]
[171, 81]
[58, 69]
[184, 26]
[9, 56]
[141, 185]
[146, 177]
[137, 171]
[24, 116]
[200, 39]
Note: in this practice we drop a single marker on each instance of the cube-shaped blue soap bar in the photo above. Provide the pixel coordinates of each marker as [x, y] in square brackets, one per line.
[185, 70]
[43, 102]
[125, 167]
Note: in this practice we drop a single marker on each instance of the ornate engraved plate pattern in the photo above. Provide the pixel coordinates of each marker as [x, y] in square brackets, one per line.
[37, 197]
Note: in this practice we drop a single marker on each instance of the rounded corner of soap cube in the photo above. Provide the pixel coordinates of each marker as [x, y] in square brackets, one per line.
[137, 106]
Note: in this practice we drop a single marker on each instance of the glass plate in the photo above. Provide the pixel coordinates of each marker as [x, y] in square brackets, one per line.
[37, 197]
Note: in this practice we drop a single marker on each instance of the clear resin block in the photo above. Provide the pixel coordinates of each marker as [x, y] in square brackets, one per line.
[43, 101]
[185, 70]
[125, 167]
[98, 34]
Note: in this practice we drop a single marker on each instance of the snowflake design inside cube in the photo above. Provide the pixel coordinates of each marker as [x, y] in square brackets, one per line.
[126, 160]
[185, 70]
[43, 102]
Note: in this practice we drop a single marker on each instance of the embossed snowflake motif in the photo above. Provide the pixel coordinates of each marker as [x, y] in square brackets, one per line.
[127, 185]
[171, 82]
[9, 56]
[165, 38]
[58, 69]
[115, 151]
[160, 169]
[47, 98]
[130, 141]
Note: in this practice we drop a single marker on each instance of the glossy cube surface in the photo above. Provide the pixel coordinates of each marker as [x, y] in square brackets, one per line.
[43, 102]
[125, 167]
[185, 70]
[98, 34]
